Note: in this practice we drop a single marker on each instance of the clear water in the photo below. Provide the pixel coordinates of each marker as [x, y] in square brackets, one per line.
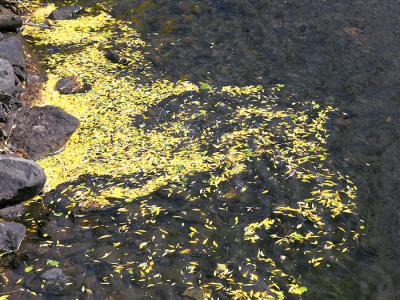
[345, 50]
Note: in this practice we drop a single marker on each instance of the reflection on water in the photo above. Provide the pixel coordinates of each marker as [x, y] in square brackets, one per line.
[237, 191]
[313, 45]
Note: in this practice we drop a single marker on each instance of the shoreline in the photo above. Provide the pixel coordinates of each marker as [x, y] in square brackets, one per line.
[27, 132]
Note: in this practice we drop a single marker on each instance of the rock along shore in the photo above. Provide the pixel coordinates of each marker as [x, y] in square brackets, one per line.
[27, 133]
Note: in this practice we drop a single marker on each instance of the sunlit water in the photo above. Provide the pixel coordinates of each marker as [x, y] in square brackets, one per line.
[246, 192]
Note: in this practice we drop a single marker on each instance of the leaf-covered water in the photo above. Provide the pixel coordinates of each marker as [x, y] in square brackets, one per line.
[235, 156]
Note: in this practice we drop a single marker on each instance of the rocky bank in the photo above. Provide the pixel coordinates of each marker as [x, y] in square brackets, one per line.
[27, 133]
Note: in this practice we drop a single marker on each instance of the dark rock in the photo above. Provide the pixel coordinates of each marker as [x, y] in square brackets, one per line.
[11, 118]
[72, 85]
[115, 57]
[10, 103]
[11, 236]
[12, 212]
[12, 49]
[42, 131]
[7, 78]
[55, 281]
[20, 179]
[20, 73]
[10, 22]
[3, 114]
[33, 79]
[5, 98]
[66, 12]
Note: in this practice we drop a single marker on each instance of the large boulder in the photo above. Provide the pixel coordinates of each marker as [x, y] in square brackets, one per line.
[20, 179]
[11, 236]
[65, 12]
[12, 49]
[7, 77]
[42, 131]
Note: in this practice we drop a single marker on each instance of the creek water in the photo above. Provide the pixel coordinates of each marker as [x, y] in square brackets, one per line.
[340, 53]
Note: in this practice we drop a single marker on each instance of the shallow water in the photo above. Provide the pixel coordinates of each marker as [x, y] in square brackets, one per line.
[343, 55]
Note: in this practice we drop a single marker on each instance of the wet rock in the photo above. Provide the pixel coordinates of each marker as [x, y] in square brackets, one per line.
[42, 131]
[72, 85]
[10, 22]
[20, 179]
[11, 48]
[11, 236]
[66, 12]
[7, 77]
[55, 281]
[12, 212]
[115, 57]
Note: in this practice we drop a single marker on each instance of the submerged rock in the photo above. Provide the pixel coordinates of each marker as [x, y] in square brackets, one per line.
[65, 12]
[12, 212]
[194, 293]
[115, 57]
[72, 85]
[11, 236]
[20, 179]
[42, 131]
[55, 281]
[7, 77]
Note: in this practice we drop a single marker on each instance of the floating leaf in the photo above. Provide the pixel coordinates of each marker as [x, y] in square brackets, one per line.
[53, 263]
[28, 269]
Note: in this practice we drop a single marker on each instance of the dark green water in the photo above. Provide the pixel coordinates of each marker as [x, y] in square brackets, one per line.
[345, 50]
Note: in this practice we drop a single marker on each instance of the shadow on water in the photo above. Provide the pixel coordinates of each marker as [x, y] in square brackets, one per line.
[347, 50]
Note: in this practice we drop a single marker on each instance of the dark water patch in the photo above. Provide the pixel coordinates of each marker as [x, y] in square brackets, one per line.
[309, 45]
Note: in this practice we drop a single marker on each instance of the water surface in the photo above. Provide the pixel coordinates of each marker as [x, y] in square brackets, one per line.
[198, 186]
